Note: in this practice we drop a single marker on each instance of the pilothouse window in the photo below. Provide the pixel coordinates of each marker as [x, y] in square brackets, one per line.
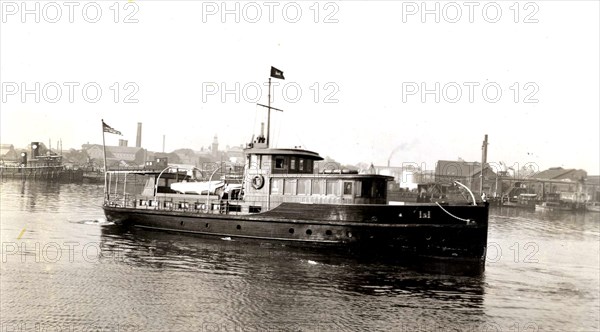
[358, 191]
[347, 188]
[279, 163]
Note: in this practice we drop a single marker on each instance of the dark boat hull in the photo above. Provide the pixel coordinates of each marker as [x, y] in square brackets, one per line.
[58, 173]
[456, 232]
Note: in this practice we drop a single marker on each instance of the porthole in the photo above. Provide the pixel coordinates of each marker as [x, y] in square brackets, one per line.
[349, 234]
[207, 225]
[328, 232]
[291, 230]
[308, 232]
[238, 227]
[181, 223]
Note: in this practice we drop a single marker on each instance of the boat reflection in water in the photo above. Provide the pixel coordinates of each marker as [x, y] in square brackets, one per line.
[244, 283]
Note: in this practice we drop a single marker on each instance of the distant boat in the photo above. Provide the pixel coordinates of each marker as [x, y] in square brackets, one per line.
[39, 167]
[526, 201]
[593, 207]
[552, 206]
[563, 201]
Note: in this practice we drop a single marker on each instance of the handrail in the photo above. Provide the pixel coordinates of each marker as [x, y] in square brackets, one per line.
[158, 178]
[209, 181]
[469, 190]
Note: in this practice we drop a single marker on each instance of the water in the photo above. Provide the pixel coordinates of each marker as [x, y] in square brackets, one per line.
[64, 268]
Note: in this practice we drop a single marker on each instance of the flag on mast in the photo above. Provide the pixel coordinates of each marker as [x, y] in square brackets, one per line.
[108, 129]
[276, 73]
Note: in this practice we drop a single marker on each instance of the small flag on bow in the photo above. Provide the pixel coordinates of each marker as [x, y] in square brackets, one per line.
[276, 73]
[109, 129]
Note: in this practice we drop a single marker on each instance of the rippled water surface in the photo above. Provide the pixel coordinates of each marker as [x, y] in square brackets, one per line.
[64, 268]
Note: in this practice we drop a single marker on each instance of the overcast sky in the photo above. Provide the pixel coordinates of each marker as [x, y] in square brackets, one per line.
[361, 68]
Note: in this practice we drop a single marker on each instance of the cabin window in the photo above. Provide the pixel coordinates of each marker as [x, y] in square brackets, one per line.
[279, 163]
[333, 187]
[292, 163]
[290, 187]
[254, 209]
[277, 186]
[301, 164]
[235, 208]
[309, 165]
[318, 187]
[347, 188]
[303, 186]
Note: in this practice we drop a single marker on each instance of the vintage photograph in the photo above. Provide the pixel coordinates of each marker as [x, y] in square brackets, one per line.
[303, 165]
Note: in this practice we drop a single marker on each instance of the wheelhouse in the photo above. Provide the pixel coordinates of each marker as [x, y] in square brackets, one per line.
[275, 176]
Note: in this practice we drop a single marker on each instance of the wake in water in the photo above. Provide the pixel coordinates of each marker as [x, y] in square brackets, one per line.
[98, 221]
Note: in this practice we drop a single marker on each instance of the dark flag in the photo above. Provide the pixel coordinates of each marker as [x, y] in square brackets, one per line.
[109, 129]
[276, 73]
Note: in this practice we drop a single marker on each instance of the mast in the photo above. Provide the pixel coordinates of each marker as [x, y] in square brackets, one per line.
[105, 169]
[276, 73]
[269, 113]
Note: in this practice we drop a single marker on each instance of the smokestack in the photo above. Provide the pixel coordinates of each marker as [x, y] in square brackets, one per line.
[163, 143]
[483, 161]
[35, 149]
[262, 129]
[484, 151]
[138, 139]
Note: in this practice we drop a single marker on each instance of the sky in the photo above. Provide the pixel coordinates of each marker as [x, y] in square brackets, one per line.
[373, 82]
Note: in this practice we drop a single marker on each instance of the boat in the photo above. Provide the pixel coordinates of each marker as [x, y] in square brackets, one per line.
[593, 207]
[285, 198]
[552, 202]
[41, 164]
[523, 200]
[552, 206]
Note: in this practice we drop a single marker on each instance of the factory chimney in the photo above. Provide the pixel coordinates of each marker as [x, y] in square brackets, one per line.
[138, 140]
